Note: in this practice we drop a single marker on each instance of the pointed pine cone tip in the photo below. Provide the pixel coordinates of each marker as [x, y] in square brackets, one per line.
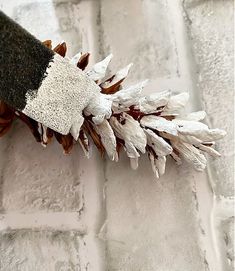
[61, 49]
[113, 83]
[83, 61]
[48, 43]
[98, 71]
[137, 123]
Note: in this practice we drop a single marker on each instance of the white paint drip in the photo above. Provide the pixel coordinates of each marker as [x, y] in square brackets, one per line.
[74, 60]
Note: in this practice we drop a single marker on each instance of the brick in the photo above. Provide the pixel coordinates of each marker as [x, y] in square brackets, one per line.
[138, 32]
[151, 225]
[35, 178]
[227, 228]
[41, 250]
[211, 28]
[46, 20]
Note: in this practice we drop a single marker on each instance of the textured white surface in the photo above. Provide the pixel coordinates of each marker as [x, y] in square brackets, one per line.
[212, 33]
[126, 219]
[211, 30]
[57, 250]
[74, 91]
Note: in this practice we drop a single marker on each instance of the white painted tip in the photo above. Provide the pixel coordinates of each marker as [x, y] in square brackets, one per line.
[99, 69]
[87, 153]
[134, 163]
[116, 157]
[121, 74]
[113, 157]
[74, 60]
[43, 144]
[105, 61]
[109, 57]
[124, 72]
[156, 174]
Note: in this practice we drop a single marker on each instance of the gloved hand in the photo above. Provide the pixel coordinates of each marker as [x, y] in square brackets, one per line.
[45, 86]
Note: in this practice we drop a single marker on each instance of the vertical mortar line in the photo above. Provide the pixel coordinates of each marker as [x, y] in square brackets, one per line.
[94, 216]
[101, 54]
[94, 244]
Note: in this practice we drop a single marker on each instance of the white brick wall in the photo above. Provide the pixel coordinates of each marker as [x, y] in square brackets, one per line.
[68, 213]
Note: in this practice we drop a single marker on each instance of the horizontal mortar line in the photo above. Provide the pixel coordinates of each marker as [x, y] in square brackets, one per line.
[55, 221]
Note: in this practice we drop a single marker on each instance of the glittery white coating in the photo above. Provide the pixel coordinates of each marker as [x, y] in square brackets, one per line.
[61, 98]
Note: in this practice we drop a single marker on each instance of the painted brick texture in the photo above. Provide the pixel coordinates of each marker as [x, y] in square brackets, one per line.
[68, 213]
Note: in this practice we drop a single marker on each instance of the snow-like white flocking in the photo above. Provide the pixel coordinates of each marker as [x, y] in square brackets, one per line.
[154, 123]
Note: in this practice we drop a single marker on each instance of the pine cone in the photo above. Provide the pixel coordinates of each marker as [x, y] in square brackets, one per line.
[138, 124]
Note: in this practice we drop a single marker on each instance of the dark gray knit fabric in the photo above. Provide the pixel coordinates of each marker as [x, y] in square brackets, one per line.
[23, 62]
